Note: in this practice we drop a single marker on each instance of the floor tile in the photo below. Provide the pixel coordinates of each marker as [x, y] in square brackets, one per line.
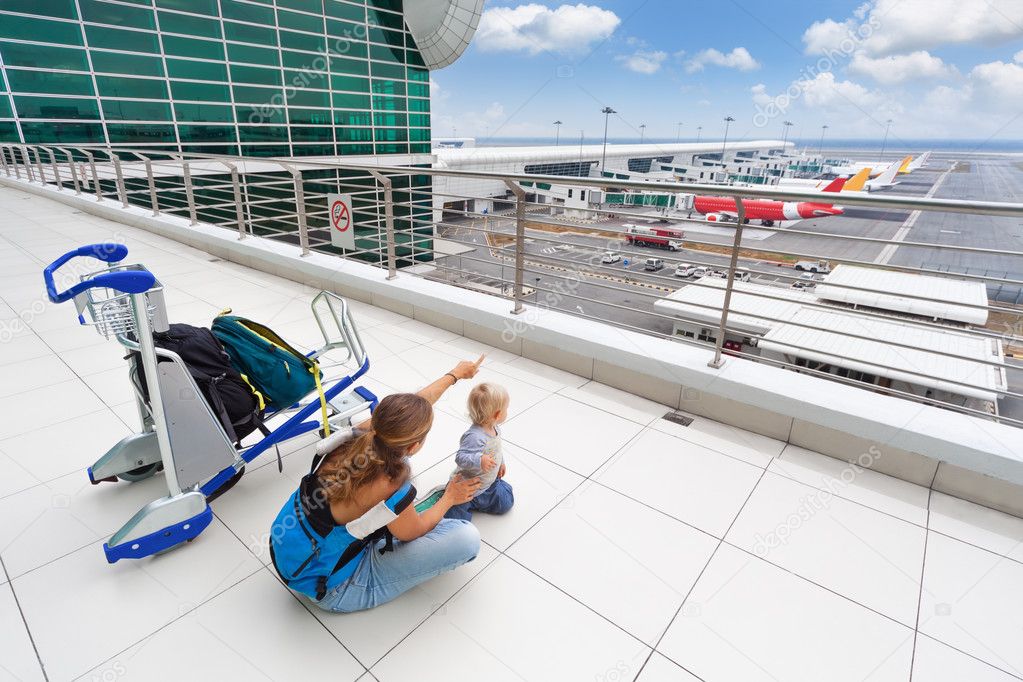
[509, 624]
[22, 348]
[870, 557]
[686, 481]
[369, 635]
[40, 407]
[32, 374]
[971, 601]
[748, 620]
[730, 440]
[660, 669]
[538, 486]
[569, 433]
[647, 561]
[253, 630]
[936, 662]
[103, 617]
[976, 525]
[891, 495]
[18, 661]
[617, 402]
[537, 374]
[464, 347]
[14, 477]
[112, 386]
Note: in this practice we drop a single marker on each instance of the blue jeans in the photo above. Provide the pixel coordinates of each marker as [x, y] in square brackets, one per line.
[497, 499]
[379, 578]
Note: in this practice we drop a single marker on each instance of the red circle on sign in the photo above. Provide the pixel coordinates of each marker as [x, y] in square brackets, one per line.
[340, 217]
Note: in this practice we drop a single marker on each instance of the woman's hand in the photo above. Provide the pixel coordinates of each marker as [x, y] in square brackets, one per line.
[461, 490]
[466, 369]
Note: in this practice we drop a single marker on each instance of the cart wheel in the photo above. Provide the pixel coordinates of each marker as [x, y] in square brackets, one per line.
[141, 473]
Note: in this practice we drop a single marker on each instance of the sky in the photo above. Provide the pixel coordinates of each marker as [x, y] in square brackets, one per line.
[938, 69]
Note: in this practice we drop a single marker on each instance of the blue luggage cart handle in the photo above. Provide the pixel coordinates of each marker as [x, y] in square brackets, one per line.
[126, 282]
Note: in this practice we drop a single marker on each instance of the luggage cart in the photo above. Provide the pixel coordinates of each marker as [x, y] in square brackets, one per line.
[180, 433]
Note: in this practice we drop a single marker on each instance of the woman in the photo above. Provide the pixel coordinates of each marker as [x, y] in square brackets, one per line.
[332, 540]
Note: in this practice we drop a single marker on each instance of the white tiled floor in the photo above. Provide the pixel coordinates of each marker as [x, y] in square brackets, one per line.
[637, 549]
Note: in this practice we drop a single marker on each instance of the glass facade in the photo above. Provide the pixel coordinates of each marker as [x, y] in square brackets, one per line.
[243, 77]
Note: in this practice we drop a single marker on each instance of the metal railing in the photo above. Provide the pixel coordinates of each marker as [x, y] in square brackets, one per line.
[469, 234]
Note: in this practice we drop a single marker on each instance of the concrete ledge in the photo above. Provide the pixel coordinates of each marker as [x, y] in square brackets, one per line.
[977, 459]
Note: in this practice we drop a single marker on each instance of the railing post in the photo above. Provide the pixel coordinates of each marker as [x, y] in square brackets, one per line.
[121, 192]
[189, 193]
[303, 226]
[95, 176]
[71, 166]
[239, 211]
[388, 185]
[14, 162]
[153, 199]
[3, 159]
[520, 244]
[718, 361]
[56, 170]
[27, 161]
[39, 166]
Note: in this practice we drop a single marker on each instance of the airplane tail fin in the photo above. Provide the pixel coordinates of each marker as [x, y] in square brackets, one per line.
[856, 182]
[921, 161]
[887, 178]
[835, 185]
[904, 168]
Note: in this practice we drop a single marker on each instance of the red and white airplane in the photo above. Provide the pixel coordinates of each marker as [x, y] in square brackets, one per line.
[768, 211]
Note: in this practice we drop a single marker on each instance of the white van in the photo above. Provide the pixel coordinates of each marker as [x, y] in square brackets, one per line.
[685, 270]
[653, 264]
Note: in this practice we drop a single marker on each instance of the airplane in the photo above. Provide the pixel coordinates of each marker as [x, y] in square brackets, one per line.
[920, 162]
[906, 165]
[767, 211]
[860, 183]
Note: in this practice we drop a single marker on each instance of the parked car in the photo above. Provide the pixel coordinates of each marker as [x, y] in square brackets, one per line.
[742, 276]
[701, 271]
[719, 274]
[685, 270]
[806, 281]
[653, 264]
[819, 266]
[611, 257]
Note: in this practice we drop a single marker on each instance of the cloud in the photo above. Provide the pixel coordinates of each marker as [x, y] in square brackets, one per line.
[643, 61]
[760, 95]
[739, 58]
[824, 91]
[823, 36]
[1018, 57]
[895, 69]
[535, 28]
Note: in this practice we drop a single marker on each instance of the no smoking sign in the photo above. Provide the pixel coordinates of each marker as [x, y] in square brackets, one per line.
[342, 230]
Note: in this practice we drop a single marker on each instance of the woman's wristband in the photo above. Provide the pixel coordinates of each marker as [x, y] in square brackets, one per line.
[453, 377]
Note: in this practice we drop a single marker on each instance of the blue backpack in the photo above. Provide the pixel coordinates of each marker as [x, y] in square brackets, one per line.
[313, 554]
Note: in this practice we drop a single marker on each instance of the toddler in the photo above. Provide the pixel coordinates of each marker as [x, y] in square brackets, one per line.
[479, 453]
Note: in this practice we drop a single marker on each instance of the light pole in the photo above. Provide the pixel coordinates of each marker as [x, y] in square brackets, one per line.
[785, 139]
[557, 133]
[699, 134]
[642, 132]
[678, 135]
[607, 111]
[888, 127]
[728, 121]
[824, 129]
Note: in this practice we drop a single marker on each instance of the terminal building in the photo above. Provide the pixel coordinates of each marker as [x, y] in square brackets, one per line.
[824, 331]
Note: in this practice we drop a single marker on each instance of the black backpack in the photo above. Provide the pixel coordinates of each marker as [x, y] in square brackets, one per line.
[239, 409]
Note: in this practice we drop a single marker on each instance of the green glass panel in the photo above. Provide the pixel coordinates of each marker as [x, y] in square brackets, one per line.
[419, 89]
[206, 134]
[348, 67]
[229, 149]
[56, 83]
[310, 149]
[421, 75]
[189, 26]
[422, 105]
[116, 39]
[55, 107]
[139, 132]
[344, 30]
[419, 134]
[343, 10]
[354, 149]
[263, 133]
[260, 115]
[346, 100]
[118, 15]
[206, 92]
[203, 71]
[51, 8]
[253, 55]
[246, 12]
[255, 75]
[5, 106]
[253, 95]
[43, 56]
[381, 70]
[388, 87]
[354, 49]
[413, 58]
[194, 6]
[68, 133]
[266, 150]
[203, 112]
[299, 22]
[119, 86]
[309, 98]
[419, 120]
[9, 132]
[352, 83]
[345, 134]
[30, 28]
[388, 19]
[393, 39]
[391, 120]
[299, 60]
[314, 6]
[392, 135]
[381, 103]
[302, 41]
[384, 53]
[392, 5]
[311, 79]
[310, 116]
[245, 33]
[392, 148]
[192, 47]
[131, 110]
[113, 62]
[353, 118]
[308, 134]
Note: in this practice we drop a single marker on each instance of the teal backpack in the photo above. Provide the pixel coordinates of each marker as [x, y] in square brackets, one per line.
[282, 374]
